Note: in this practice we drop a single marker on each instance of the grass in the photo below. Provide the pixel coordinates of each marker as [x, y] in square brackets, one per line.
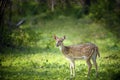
[51, 66]
[43, 61]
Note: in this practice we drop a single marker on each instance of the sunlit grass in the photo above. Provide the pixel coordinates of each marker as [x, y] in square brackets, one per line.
[53, 67]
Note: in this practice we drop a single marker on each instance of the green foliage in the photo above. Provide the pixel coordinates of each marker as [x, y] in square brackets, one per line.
[103, 9]
[38, 13]
[39, 34]
[108, 13]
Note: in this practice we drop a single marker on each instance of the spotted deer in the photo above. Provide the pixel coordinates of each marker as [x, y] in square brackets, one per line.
[85, 51]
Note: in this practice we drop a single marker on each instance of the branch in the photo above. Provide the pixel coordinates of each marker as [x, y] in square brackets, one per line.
[20, 22]
[17, 24]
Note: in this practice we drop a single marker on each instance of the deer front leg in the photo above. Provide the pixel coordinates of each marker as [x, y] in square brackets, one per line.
[72, 68]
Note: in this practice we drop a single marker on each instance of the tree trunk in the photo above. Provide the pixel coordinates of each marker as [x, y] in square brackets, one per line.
[10, 14]
[52, 5]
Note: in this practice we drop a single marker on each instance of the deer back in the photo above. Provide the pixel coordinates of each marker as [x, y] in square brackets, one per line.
[79, 51]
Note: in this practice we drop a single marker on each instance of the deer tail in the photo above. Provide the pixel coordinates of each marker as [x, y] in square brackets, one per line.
[97, 51]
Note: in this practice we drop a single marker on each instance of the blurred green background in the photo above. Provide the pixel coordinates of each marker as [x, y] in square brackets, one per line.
[27, 46]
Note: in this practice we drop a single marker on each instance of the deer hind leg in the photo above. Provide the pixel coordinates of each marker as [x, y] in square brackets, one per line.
[89, 66]
[95, 63]
[72, 68]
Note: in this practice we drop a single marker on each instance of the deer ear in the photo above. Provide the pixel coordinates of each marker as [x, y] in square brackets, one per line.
[64, 37]
[55, 37]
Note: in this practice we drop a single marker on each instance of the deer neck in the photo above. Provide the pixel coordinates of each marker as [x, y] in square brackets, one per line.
[62, 47]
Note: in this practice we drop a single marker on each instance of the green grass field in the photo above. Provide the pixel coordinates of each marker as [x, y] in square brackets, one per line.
[43, 61]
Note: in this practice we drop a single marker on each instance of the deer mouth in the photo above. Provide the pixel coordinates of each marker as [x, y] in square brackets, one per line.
[57, 45]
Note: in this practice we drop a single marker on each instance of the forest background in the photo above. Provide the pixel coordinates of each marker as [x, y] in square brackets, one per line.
[27, 28]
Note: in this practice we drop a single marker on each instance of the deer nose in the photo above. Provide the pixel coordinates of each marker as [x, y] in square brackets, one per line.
[57, 45]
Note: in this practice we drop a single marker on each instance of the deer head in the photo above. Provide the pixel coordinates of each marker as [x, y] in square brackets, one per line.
[59, 41]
